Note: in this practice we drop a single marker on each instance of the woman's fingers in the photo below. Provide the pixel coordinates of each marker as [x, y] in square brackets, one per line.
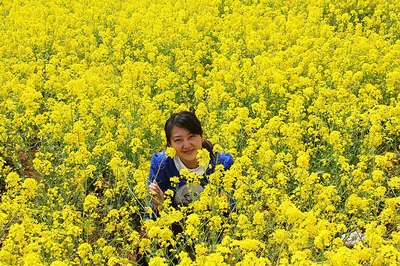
[157, 195]
[154, 189]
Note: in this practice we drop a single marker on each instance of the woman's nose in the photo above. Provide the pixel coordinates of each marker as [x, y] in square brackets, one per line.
[186, 143]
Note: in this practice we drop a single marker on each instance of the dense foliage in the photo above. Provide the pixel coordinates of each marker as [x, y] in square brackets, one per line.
[303, 94]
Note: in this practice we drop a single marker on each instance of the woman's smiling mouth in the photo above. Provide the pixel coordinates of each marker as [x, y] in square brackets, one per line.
[188, 151]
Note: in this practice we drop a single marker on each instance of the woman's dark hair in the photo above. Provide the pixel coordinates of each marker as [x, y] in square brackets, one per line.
[188, 121]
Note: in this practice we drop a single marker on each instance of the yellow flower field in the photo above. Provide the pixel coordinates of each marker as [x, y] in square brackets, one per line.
[303, 94]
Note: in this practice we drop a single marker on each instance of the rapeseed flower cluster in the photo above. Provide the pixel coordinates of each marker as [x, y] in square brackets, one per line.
[303, 94]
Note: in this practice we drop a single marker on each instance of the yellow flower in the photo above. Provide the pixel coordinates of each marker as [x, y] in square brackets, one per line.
[157, 261]
[303, 160]
[107, 251]
[214, 259]
[203, 157]
[84, 250]
[249, 245]
[394, 182]
[215, 223]
[170, 152]
[12, 180]
[355, 204]
[258, 218]
[279, 236]
[192, 225]
[113, 261]
[378, 176]
[91, 202]
[323, 239]
[217, 148]
[32, 258]
[251, 258]
[201, 249]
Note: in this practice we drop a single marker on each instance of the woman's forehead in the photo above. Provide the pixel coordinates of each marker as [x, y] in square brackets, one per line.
[179, 131]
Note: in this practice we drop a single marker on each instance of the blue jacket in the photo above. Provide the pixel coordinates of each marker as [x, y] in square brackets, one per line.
[162, 168]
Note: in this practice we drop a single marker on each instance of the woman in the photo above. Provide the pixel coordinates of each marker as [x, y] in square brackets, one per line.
[184, 133]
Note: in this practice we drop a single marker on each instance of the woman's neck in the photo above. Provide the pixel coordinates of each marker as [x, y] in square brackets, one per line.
[191, 165]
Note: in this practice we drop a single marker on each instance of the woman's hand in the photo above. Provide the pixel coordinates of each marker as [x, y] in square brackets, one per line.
[156, 194]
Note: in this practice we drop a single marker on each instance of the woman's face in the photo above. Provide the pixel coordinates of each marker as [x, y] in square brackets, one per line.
[186, 145]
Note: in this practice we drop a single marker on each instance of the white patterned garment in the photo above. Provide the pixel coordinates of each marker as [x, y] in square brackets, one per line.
[187, 193]
[350, 239]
